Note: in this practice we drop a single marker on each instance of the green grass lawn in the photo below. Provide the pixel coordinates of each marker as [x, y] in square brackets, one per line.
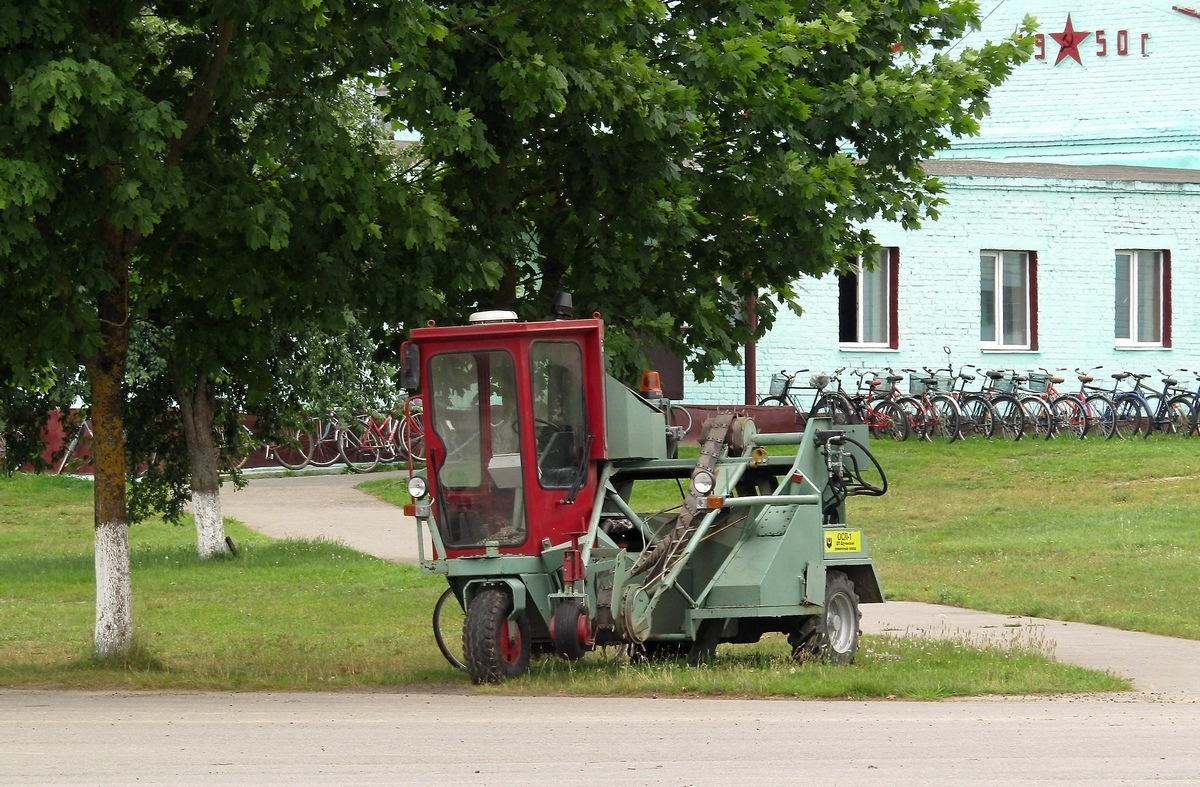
[1098, 532]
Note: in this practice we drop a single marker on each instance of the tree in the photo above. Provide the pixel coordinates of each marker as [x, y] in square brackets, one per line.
[666, 162]
[110, 116]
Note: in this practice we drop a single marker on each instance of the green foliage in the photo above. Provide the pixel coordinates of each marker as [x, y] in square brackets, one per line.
[664, 162]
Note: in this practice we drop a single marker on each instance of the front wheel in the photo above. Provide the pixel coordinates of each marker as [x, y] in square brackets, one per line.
[1039, 421]
[833, 635]
[944, 418]
[494, 648]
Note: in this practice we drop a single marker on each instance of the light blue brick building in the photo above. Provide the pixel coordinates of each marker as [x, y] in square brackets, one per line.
[1071, 236]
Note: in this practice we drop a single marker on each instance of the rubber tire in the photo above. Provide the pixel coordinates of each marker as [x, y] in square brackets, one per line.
[979, 417]
[1130, 418]
[490, 655]
[566, 618]
[323, 443]
[914, 413]
[412, 438]
[833, 635]
[834, 407]
[896, 427]
[1178, 406]
[1099, 409]
[1069, 416]
[947, 418]
[358, 457]
[1039, 420]
[293, 454]
[1010, 418]
[450, 655]
[768, 401]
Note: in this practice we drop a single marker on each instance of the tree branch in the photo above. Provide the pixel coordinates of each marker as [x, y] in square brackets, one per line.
[199, 110]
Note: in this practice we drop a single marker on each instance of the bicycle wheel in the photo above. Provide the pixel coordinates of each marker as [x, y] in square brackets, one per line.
[412, 436]
[914, 415]
[768, 401]
[1069, 416]
[886, 419]
[979, 417]
[1130, 418]
[1100, 414]
[833, 406]
[1180, 412]
[1039, 421]
[944, 418]
[1010, 418]
[293, 453]
[357, 449]
[322, 447]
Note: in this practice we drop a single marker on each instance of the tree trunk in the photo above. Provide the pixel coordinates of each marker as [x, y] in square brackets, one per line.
[106, 375]
[198, 407]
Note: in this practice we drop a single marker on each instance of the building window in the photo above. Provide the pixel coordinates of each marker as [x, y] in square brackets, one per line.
[1008, 300]
[868, 308]
[1143, 298]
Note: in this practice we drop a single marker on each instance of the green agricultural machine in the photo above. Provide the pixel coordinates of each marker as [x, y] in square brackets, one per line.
[536, 458]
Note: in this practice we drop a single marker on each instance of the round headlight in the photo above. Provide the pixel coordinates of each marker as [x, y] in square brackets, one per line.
[417, 487]
[703, 482]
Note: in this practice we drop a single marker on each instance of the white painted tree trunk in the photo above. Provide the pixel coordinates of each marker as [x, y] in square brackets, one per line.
[114, 591]
[210, 528]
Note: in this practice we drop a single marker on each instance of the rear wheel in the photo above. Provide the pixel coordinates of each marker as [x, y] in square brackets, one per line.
[1039, 421]
[914, 414]
[292, 454]
[834, 407]
[412, 437]
[1100, 415]
[357, 449]
[1130, 418]
[833, 635]
[494, 647]
[323, 443]
[1182, 417]
[772, 401]
[889, 421]
[1069, 416]
[979, 418]
[1010, 418]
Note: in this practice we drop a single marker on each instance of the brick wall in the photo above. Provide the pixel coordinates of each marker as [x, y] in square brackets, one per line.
[1074, 226]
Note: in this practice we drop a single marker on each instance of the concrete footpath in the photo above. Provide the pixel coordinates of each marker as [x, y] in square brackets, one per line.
[329, 507]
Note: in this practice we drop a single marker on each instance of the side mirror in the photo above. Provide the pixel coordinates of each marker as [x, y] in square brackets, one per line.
[410, 366]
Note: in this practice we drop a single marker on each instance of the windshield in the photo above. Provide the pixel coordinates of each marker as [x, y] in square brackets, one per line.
[477, 471]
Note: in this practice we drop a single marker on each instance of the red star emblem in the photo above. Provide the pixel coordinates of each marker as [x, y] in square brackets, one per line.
[1068, 42]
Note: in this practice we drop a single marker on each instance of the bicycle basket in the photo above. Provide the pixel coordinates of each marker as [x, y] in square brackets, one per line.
[818, 381]
[779, 384]
[917, 384]
[1006, 385]
[1038, 382]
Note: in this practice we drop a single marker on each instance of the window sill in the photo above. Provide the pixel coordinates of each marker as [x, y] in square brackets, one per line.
[997, 350]
[1140, 347]
[867, 348]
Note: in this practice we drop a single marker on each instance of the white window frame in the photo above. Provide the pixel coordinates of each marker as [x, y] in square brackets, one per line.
[997, 341]
[883, 268]
[1132, 291]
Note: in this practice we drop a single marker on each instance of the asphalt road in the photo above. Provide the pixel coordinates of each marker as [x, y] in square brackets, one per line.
[476, 738]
